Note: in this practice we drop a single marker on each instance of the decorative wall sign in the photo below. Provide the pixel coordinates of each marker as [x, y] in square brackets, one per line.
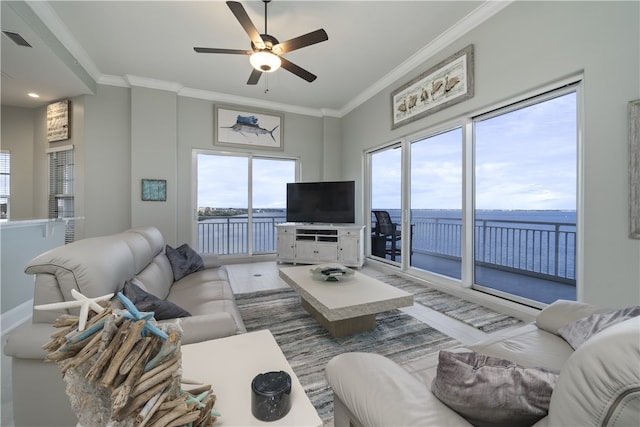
[154, 190]
[446, 84]
[58, 126]
[242, 127]
[634, 169]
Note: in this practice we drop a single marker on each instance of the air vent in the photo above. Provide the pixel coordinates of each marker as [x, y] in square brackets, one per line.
[17, 38]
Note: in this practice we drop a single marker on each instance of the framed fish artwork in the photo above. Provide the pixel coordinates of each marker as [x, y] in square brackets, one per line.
[239, 127]
[446, 84]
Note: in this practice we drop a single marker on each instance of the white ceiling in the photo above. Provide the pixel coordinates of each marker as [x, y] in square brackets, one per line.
[150, 43]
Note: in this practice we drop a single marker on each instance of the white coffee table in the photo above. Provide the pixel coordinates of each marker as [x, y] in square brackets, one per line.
[345, 307]
[229, 364]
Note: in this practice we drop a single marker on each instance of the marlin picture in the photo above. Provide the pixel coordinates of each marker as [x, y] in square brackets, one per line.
[249, 125]
[245, 127]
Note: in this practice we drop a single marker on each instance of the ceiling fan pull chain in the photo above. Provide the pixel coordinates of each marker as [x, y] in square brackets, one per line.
[266, 83]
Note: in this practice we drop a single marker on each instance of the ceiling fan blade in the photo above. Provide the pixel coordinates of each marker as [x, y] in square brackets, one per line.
[298, 71]
[305, 40]
[241, 15]
[216, 50]
[254, 77]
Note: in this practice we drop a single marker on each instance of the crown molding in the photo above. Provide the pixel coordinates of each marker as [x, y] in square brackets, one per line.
[248, 102]
[153, 83]
[476, 17]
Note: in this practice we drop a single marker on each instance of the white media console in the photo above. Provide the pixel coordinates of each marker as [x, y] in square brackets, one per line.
[320, 243]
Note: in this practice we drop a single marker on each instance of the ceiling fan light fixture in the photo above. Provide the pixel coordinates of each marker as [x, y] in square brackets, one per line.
[265, 61]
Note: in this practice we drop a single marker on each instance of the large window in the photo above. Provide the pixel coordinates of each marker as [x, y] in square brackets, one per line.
[61, 195]
[5, 183]
[525, 199]
[436, 203]
[240, 199]
[491, 200]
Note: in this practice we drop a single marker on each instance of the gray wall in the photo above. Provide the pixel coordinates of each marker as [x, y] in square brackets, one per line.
[533, 44]
[17, 137]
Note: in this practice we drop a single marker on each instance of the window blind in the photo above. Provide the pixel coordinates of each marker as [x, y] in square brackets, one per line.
[5, 183]
[61, 196]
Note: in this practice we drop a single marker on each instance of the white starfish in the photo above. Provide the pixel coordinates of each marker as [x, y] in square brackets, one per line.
[81, 301]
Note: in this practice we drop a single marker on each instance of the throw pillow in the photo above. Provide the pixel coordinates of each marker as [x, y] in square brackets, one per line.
[144, 301]
[578, 331]
[184, 261]
[491, 391]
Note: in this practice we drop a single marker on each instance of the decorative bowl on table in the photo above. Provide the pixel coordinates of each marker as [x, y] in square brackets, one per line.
[331, 273]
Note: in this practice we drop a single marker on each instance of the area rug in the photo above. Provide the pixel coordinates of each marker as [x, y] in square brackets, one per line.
[308, 346]
[472, 314]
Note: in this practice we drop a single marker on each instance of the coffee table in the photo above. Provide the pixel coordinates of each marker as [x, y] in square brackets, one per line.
[229, 364]
[345, 307]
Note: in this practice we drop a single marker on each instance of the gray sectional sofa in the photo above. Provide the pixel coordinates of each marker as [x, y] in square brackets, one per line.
[597, 383]
[99, 266]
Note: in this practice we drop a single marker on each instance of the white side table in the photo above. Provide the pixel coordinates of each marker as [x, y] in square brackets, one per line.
[229, 364]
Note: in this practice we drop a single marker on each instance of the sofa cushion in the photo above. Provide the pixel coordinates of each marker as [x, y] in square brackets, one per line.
[94, 267]
[578, 331]
[184, 261]
[522, 346]
[200, 287]
[379, 392]
[490, 391]
[600, 383]
[145, 301]
[157, 277]
[563, 312]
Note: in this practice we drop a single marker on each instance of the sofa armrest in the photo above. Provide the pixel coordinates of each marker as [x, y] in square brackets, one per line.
[26, 341]
[381, 393]
[210, 259]
[563, 312]
[206, 327]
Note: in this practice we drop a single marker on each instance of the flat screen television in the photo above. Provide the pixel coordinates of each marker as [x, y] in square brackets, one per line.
[329, 202]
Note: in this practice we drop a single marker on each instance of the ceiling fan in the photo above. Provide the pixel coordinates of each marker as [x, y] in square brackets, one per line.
[266, 51]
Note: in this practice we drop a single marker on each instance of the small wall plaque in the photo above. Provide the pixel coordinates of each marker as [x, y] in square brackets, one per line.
[58, 126]
[154, 190]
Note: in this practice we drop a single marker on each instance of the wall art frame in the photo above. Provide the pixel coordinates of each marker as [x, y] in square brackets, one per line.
[154, 190]
[634, 169]
[244, 127]
[58, 122]
[447, 83]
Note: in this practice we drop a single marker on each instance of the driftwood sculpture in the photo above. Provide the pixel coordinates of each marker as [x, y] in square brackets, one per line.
[122, 369]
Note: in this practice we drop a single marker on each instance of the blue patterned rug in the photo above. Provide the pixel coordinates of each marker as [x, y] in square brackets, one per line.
[308, 346]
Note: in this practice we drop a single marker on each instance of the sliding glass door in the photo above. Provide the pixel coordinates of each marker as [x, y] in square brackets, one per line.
[240, 199]
[386, 203]
[491, 201]
[525, 199]
[436, 203]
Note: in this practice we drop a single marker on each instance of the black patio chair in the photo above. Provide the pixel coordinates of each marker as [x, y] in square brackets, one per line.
[385, 236]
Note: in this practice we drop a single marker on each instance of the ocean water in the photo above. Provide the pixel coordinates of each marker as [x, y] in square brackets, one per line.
[533, 216]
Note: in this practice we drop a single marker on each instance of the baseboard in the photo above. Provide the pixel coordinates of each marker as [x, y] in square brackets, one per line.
[16, 316]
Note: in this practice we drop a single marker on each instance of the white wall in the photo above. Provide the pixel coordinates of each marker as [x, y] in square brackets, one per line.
[153, 156]
[108, 190]
[527, 46]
